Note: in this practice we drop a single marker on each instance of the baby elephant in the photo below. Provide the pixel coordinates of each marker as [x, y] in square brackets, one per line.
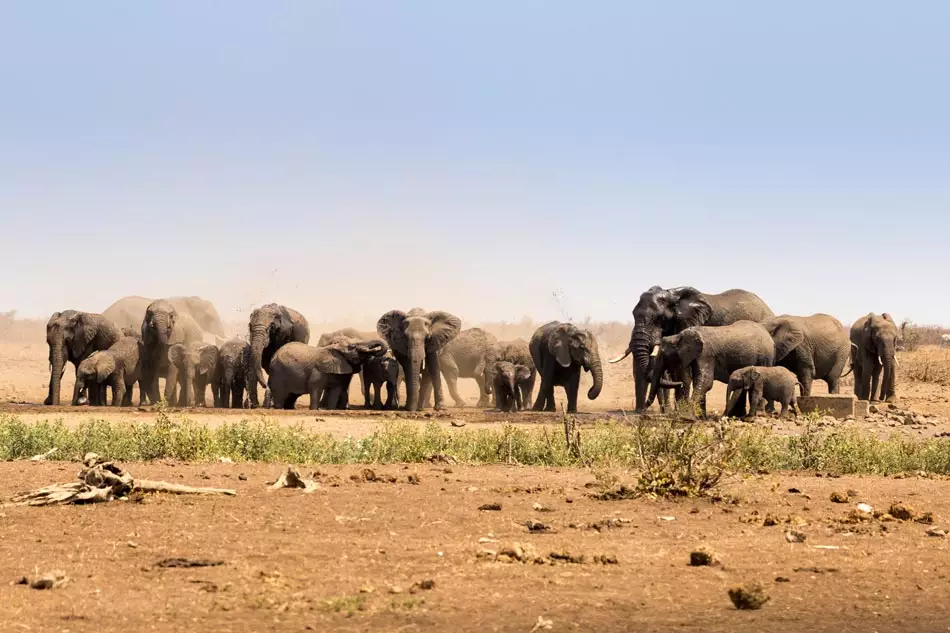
[197, 365]
[379, 371]
[775, 384]
[118, 367]
[510, 385]
[234, 358]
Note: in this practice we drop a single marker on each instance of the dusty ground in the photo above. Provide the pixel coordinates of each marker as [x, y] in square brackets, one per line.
[346, 557]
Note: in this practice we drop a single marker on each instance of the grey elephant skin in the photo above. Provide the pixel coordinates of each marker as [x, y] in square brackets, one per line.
[464, 357]
[197, 367]
[376, 372]
[875, 339]
[373, 366]
[270, 327]
[773, 384]
[73, 336]
[416, 338]
[518, 354]
[130, 311]
[118, 367]
[561, 351]
[814, 347]
[298, 369]
[234, 359]
[507, 382]
[708, 353]
[163, 327]
[664, 312]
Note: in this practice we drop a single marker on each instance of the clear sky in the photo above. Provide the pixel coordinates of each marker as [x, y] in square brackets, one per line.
[348, 157]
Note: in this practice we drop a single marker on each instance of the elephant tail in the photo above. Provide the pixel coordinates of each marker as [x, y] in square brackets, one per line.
[801, 388]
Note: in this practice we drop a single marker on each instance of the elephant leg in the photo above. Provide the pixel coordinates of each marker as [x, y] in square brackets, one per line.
[702, 383]
[433, 366]
[806, 376]
[527, 391]
[118, 389]
[755, 397]
[171, 384]
[545, 391]
[315, 397]
[237, 396]
[365, 385]
[290, 402]
[450, 372]
[425, 389]
[483, 398]
[875, 381]
[571, 388]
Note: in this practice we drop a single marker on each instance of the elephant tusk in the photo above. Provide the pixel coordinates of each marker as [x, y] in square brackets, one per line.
[619, 358]
[655, 352]
[670, 384]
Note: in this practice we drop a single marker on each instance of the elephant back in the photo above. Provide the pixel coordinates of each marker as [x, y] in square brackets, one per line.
[186, 330]
[736, 305]
[128, 312]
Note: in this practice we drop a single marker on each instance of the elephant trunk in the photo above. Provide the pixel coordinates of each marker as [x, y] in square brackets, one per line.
[732, 397]
[417, 353]
[596, 372]
[188, 386]
[888, 382]
[160, 323]
[655, 383]
[642, 341]
[57, 359]
[259, 340]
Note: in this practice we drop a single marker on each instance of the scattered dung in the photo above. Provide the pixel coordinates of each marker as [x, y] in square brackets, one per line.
[490, 507]
[901, 511]
[748, 597]
[536, 526]
[567, 557]
[702, 558]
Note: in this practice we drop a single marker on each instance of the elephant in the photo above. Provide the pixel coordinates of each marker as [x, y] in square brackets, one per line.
[874, 339]
[118, 367]
[464, 357]
[416, 338]
[664, 312]
[518, 353]
[774, 384]
[708, 353]
[234, 359]
[508, 385]
[129, 312]
[162, 327]
[378, 371]
[560, 351]
[270, 327]
[815, 347]
[297, 369]
[73, 336]
[353, 333]
[197, 367]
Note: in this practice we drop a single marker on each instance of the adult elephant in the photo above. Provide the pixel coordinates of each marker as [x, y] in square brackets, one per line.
[129, 312]
[560, 351]
[416, 338]
[162, 327]
[464, 357]
[271, 327]
[74, 336]
[874, 338]
[815, 347]
[707, 354]
[664, 312]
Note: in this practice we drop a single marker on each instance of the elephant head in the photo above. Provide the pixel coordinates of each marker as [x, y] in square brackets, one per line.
[569, 344]
[879, 339]
[415, 337]
[58, 337]
[348, 354]
[92, 372]
[270, 326]
[159, 322]
[72, 336]
[674, 354]
[506, 377]
[192, 360]
[740, 381]
[660, 312]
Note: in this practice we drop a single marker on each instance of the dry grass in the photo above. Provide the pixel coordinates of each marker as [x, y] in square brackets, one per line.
[927, 364]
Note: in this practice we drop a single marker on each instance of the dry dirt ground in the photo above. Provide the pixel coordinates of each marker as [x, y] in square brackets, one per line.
[374, 556]
[358, 555]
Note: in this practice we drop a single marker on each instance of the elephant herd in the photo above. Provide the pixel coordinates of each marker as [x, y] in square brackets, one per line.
[682, 341]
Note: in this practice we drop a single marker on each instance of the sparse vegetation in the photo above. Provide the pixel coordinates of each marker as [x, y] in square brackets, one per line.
[668, 457]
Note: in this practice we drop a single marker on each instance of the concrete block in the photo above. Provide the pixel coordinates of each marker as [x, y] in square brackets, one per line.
[861, 409]
[839, 405]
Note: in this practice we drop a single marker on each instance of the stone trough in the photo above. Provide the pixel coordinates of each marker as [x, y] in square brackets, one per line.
[839, 405]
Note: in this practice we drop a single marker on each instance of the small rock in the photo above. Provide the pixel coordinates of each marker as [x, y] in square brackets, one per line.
[936, 532]
[422, 585]
[366, 589]
[604, 559]
[901, 511]
[540, 508]
[793, 536]
[864, 508]
[927, 518]
[837, 497]
[748, 597]
[667, 518]
[414, 480]
[702, 558]
[537, 526]
[242, 477]
[490, 507]
[49, 581]
[225, 460]
[782, 579]
[395, 590]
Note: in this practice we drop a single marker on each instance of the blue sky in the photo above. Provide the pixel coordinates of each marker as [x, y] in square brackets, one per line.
[350, 157]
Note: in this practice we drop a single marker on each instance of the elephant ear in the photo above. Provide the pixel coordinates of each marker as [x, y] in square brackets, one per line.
[751, 377]
[105, 366]
[207, 359]
[691, 307]
[333, 361]
[689, 346]
[522, 373]
[786, 335]
[445, 327]
[888, 317]
[83, 334]
[390, 327]
[176, 354]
